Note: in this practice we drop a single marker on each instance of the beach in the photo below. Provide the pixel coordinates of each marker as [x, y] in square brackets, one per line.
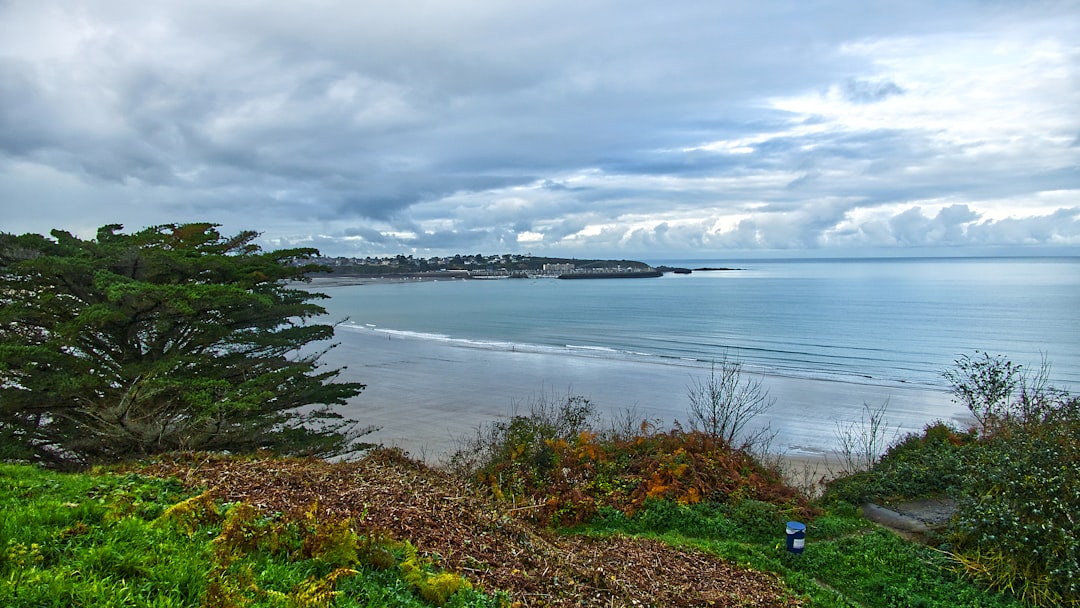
[827, 338]
[426, 395]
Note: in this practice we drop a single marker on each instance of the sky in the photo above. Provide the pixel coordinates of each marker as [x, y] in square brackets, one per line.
[684, 129]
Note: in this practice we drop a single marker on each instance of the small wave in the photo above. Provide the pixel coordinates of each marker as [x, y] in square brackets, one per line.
[603, 349]
[768, 361]
[368, 327]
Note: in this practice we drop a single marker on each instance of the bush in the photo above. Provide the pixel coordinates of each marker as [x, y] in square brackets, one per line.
[1016, 529]
[515, 457]
[723, 404]
[564, 472]
[862, 442]
[1017, 480]
[922, 465]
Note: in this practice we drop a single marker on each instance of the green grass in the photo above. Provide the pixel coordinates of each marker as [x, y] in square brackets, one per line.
[98, 540]
[101, 540]
[847, 562]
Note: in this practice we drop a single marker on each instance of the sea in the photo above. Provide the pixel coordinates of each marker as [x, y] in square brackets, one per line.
[829, 339]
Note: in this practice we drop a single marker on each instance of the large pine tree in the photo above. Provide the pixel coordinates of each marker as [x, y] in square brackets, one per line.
[171, 338]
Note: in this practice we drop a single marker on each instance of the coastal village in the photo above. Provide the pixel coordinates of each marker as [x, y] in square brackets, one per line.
[506, 266]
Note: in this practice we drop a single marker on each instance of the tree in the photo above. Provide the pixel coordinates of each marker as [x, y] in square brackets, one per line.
[984, 384]
[171, 338]
[722, 405]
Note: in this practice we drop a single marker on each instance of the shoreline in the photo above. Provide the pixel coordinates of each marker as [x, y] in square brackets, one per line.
[425, 395]
[348, 281]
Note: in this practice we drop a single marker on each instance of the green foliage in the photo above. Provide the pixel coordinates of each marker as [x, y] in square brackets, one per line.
[1016, 527]
[193, 513]
[847, 562]
[745, 520]
[515, 457]
[95, 541]
[1018, 488]
[1015, 530]
[984, 384]
[436, 588]
[91, 541]
[174, 337]
[1017, 480]
[919, 466]
[881, 569]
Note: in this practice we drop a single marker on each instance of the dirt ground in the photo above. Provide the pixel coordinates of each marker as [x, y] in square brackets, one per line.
[934, 513]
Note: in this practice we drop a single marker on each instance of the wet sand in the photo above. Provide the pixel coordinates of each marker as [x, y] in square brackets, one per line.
[425, 395]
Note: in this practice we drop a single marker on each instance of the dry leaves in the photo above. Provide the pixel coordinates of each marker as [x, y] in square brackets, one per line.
[468, 534]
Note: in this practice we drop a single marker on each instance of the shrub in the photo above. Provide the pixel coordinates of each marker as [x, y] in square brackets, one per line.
[511, 457]
[984, 384]
[1018, 480]
[1016, 527]
[723, 404]
[565, 472]
[919, 466]
[862, 442]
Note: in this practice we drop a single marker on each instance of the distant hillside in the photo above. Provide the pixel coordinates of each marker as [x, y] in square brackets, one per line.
[507, 263]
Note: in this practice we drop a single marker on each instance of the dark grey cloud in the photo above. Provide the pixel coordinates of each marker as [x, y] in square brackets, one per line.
[565, 126]
[863, 91]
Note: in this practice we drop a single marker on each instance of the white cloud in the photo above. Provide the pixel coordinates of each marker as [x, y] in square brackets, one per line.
[379, 127]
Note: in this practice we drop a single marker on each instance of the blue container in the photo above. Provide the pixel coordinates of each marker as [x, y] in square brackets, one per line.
[796, 536]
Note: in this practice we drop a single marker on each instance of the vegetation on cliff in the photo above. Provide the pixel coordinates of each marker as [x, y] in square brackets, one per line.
[1016, 480]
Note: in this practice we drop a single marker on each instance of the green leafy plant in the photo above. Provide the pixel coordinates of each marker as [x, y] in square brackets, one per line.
[1017, 480]
[984, 384]
[21, 560]
[1015, 528]
[61, 547]
[929, 464]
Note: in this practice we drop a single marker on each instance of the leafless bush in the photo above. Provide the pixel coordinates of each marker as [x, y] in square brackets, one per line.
[863, 442]
[631, 423]
[723, 404]
[806, 476]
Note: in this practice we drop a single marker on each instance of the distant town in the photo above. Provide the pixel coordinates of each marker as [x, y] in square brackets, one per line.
[487, 267]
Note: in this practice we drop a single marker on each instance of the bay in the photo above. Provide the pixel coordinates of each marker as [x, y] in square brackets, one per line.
[826, 336]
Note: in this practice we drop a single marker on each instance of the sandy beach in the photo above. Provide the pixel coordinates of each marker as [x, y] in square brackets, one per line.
[425, 395]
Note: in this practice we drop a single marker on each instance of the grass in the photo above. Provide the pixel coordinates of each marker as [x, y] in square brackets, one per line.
[847, 562]
[689, 488]
[106, 539]
[93, 540]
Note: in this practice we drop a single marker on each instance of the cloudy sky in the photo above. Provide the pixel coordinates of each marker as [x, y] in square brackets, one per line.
[556, 127]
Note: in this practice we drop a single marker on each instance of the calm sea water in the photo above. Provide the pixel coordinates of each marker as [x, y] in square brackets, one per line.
[883, 321]
[877, 329]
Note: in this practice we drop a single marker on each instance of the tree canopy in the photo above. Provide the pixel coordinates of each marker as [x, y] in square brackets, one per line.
[171, 338]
